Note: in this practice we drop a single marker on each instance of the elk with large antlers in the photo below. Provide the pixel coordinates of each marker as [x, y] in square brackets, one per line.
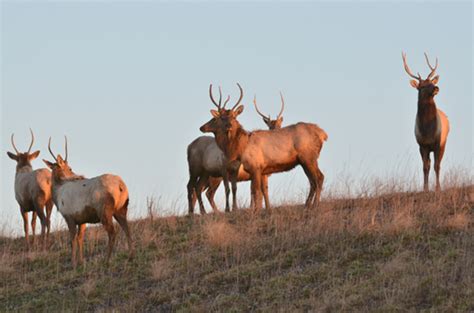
[207, 163]
[432, 125]
[89, 200]
[32, 190]
[265, 152]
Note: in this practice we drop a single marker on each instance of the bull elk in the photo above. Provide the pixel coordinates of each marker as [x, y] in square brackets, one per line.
[32, 190]
[264, 152]
[207, 163]
[88, 200]
[431, 125]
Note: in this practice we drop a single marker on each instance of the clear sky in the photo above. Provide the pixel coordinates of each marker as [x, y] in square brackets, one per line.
[127, 82]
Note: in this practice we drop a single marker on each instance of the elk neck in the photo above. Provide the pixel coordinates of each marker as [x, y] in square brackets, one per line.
[57, 182]
[427, 116]
[233, 143]
[24, 168]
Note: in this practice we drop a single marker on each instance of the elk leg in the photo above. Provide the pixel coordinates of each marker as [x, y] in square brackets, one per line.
[233, 182]
[194, 198]
[24, 214]
[33, 227]
[203, 181]
[73, 237]
[121, 218]
[109, 227]
[317, 196]
[265, 191]
[80, 241]
[191, 193]
[225, 176]
[42, 217]
[49, 210]
[211, 191]
[256, 190]
[438, 156]
[310, 169]
[425, 156]
[233, 172]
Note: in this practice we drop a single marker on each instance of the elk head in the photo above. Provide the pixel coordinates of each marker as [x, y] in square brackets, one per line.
[272, 124]
[224, 119]
[61, 169]
[426, 87]
[23, 159]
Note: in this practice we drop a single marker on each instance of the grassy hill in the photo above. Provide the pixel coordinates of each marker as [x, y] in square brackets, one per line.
[390, 253]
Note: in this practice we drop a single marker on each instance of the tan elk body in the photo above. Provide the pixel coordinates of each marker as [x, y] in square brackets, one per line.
[431, 124]
[32, 191]
[89, 200]
[208, 162]
[266, 152]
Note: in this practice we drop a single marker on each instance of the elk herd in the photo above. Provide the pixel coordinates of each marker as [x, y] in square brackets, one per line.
[232, 155]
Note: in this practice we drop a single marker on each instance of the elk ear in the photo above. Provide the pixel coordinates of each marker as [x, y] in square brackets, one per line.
[12, 156]
[60, 160]
[34, 155]
[48, 164]
[435, 80]
[414, 83]
[239, 110]
[215, 113]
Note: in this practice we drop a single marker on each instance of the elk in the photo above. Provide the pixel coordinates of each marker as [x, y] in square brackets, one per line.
[83, 200]
[272, 124]
[431, 125]
[207, 162]
[32, 191]
[264, 152]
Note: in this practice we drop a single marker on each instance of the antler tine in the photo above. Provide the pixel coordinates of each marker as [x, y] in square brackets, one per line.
[258, 111]
[220, 96]
[51, 151]
[32, 140]
[65, 147]
[433, 69]
[407, 69]
[225, 102]
[282, 106]
[240, 98]
[212, 98]
[13, 143]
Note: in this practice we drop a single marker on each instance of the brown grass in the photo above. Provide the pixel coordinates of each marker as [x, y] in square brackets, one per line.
[400, 251]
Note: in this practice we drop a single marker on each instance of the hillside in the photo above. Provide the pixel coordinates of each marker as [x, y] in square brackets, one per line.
[390, 253]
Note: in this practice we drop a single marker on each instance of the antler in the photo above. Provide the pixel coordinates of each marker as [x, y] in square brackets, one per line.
[220, 96]
[212, 98]
[282, 106]
[65, 147]
[32, 141]
[407, 69]
[258, 111]
[241, 96]
[51, 151]
[433, 69]
[227, 100]
[13, 143]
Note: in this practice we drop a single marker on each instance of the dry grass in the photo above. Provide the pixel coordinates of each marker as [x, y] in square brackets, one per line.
[398, 251]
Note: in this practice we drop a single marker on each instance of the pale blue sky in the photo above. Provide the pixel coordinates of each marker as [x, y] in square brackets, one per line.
[128, 83]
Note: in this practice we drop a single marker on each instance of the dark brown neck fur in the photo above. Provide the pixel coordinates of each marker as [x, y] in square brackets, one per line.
[427, 116]
[233, 145]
